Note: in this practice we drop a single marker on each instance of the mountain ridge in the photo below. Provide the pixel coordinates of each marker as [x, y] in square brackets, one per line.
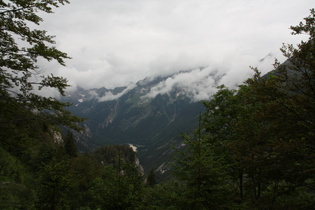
[131, 115]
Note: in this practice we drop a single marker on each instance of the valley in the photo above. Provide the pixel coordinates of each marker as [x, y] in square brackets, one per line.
[153, 124]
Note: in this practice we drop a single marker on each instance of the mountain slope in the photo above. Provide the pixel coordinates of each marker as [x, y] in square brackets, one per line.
[143, 114]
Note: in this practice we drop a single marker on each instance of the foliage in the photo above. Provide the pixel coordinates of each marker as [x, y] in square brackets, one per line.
[20, 49]
[13, 192]
[54, 183]
[166, 195]
[253, 148]
[121, 182]
[29, 120]
[70, 146]
[151, 180]
[113, 154]
[202, 172]
[258, 138]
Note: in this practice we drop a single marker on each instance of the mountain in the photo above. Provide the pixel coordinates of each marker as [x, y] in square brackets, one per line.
[150, 115]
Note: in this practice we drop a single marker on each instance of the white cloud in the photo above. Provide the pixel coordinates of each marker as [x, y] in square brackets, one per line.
[109, 96]
[117, 42]
[198, 84]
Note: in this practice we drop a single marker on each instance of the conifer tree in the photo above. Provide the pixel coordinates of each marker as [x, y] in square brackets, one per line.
[151, 180]
[70, 146]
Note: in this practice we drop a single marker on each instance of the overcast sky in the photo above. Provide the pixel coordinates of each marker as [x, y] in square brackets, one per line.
[116, 42]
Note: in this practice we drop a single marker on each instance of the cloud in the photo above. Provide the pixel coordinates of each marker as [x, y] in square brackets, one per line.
[113, 43]
[109, 96]
[201, 83]
[198, 84]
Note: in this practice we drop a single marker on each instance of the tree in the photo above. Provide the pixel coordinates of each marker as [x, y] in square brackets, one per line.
[20, 48]
[237, 139]
[287, 100]
[201, 166]
[84, 171]
[151, 180]
[260, 134]
[70, 146]
[266, 129]
[14, 192]
[54, 185]
[122, 181]
[27, 118]
[295, 78]
[165, 195]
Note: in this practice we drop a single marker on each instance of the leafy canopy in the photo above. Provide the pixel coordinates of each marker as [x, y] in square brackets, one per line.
[254, 147]
[21, 47]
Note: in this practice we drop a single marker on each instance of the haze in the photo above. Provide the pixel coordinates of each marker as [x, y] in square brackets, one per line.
[116, 43]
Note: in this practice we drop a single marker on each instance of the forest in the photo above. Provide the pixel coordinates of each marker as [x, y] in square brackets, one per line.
[254, 147]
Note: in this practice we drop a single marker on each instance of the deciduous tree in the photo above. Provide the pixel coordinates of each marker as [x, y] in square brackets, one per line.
[21, 46]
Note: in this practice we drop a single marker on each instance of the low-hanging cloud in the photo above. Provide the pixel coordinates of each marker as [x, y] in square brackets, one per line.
[113, 43]
[201, 83]
[198, 84]
[110, 96]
